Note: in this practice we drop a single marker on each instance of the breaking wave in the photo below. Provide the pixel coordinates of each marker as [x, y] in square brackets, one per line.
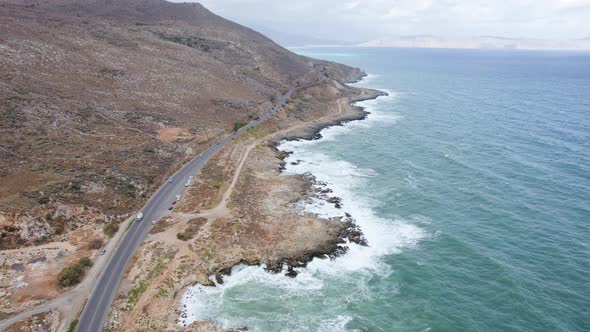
[342, 281]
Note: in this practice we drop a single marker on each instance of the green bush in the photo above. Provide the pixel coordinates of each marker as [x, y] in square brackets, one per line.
[43, 200]
[73, 325]
[95, 244]
[73, 273]
[110, 229]
[59, 229]
[85, 262]
[217, 184]
[238, 125]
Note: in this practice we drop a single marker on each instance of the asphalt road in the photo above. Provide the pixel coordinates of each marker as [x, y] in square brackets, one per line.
[99, 303]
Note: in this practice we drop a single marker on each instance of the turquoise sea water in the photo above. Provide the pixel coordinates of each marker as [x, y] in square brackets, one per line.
[472, 184]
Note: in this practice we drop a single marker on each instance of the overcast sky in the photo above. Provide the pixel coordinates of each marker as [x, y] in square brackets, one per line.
[356, 20]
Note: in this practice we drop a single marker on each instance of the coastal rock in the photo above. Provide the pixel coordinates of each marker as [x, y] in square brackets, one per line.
[291, 272]
[337, 201]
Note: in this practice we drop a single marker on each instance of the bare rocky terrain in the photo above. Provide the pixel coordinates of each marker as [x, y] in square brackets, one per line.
[241, 210]
[102, 100]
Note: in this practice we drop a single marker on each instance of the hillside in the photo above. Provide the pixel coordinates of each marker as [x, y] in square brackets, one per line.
[100, 100]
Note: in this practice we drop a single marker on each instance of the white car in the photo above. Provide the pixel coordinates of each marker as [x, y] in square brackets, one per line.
[139, 216]
[154, 222]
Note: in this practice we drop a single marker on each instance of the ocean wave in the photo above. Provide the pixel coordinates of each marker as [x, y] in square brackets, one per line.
[347, 181]
[336, 324]
[385, 236]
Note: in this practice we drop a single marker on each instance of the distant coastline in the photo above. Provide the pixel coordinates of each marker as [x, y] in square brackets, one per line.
[475, 42]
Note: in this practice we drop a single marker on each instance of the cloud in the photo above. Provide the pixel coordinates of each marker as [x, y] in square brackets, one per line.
[370, 19]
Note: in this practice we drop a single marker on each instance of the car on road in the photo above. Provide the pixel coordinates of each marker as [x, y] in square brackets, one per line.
[154, 222]
[173, 202]
[102, 252]
[171, 180]
[170, 208]
[139, 216]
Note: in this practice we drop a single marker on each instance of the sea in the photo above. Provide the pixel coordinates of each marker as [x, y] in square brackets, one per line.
[471, 183]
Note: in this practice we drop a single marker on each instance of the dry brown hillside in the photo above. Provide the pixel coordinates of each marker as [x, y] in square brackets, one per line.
[100, 100]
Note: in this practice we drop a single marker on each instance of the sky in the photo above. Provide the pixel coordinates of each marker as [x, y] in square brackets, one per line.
[357, 21]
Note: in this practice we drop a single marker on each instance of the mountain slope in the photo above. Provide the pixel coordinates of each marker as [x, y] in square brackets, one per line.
[100, 100]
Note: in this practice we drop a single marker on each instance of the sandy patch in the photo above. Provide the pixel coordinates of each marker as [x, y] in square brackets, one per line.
[174, 134]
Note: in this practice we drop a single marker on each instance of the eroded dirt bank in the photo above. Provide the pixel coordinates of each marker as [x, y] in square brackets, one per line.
[241, 210]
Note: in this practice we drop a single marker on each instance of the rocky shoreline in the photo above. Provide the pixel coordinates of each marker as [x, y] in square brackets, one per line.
[312, 131]
[350, 232]
[259, 224]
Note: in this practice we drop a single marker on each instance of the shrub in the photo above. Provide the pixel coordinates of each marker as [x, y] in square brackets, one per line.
[75, 186]
[194, 225]
[48, 216]
[43, 200]
[95, 244]
[135, 293]
[73, 273]
[238, 125]
[217, 184]
[110, 229]
[85, 262]
[59, 228]
[73, 325]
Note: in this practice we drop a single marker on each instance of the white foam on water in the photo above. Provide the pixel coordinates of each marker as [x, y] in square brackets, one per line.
[206, 302]
[385, 236]
[365, 81]
[334, 325]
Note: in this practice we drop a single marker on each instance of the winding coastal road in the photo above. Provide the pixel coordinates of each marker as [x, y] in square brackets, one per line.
[99, 302]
